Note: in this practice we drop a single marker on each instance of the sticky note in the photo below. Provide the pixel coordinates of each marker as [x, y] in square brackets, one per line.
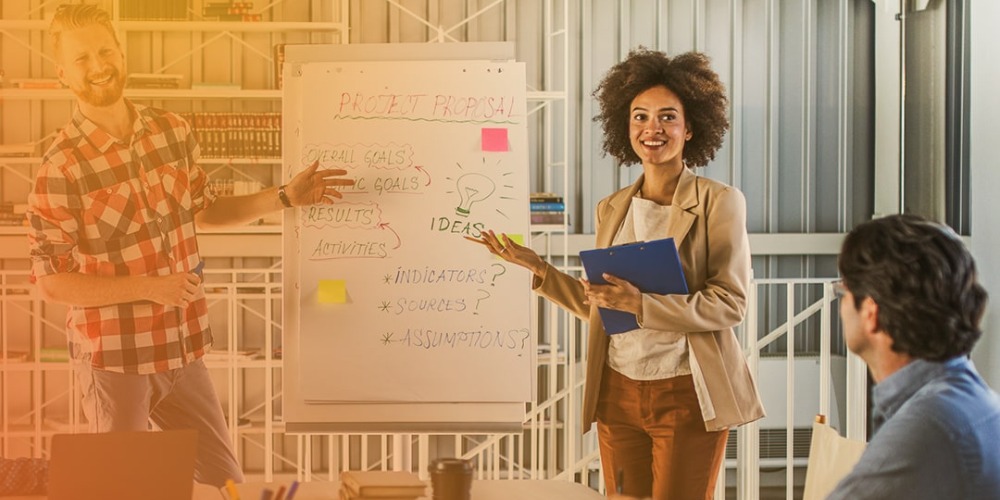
[516, 238]
[332, 291]
[495, 139]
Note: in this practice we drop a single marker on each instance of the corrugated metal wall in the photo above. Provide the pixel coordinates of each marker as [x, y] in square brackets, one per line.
[800, 79]
[799, 74]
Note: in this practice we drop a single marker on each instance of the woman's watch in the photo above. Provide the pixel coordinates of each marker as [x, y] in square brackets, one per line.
[284, 197]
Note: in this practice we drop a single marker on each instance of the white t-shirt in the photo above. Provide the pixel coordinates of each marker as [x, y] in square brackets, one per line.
[643, 353]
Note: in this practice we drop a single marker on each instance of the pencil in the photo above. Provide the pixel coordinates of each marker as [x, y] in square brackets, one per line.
[234, 494]
[280, 495]
[292, 489]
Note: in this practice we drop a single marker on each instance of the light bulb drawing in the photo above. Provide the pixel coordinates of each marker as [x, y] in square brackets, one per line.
[472, 187]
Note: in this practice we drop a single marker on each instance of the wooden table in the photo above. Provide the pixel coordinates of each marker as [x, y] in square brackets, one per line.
[201, 492]
[481, 490]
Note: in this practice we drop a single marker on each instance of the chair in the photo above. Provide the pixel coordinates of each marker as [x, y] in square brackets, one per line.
[831, 457]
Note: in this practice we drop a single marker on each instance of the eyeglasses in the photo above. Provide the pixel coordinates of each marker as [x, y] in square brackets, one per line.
[839, 290]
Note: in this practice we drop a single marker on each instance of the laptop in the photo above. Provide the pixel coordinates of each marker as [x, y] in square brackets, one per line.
[123, 465]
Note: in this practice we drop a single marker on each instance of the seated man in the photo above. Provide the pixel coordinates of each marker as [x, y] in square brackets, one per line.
[911, 308]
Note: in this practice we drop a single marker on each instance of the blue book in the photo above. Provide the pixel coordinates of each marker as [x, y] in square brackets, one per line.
[547, 206]
[652, 266]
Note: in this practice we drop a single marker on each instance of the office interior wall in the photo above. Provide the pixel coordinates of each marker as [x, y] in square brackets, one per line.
[800, 81]
[985, 176]
[799, 76]
[924, 111]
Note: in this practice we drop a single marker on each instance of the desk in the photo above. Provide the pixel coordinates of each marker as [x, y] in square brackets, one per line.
[481, 490]
[201, 492]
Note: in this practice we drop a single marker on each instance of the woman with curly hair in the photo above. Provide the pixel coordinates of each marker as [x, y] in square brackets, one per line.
[664, 395]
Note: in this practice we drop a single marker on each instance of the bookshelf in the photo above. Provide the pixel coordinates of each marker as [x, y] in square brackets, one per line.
[236, 60]
[244, 263]
[145, 94]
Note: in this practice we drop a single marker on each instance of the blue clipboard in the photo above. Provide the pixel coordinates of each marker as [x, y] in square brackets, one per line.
[652, 266]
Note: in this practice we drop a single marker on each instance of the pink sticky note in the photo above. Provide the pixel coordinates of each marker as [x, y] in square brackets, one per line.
[495, 139]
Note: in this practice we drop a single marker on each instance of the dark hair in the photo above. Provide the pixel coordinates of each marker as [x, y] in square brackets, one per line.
[922, 278]
[688, 75]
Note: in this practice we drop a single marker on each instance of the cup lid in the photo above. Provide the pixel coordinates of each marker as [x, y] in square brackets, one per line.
[450, 465]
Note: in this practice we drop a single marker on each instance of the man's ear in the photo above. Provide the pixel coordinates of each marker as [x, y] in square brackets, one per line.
[61, 74]
[869, 315]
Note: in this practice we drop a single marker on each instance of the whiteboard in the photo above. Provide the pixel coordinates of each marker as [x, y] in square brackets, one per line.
[394, 315]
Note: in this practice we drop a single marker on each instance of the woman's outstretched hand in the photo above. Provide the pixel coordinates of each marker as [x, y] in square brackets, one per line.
[507, 249]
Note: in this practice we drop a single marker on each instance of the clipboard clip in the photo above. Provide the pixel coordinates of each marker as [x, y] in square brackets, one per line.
[612, 247]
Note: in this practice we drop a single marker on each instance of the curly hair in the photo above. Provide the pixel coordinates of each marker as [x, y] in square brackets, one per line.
[688, 75]
[924, 281]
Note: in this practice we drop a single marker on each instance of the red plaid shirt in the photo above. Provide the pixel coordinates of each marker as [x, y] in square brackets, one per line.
[105, 207]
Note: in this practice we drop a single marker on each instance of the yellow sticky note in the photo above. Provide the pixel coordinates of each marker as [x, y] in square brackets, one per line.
[517, 238]
[332, 291]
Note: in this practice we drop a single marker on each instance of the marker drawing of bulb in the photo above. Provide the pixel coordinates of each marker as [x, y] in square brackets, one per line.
[472, 188]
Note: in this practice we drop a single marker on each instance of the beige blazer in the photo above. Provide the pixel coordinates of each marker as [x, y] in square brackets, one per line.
[708, 224]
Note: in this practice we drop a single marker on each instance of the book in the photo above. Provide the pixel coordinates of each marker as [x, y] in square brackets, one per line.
[163, 10]
[36, 83]
[14, 356]
[652, 266]
[547, 206]
[279, 63]
[346, 494]
[544, 197]
[153, 81]
[237, 135]
[381, 484]
[548, 217]
[53, 354]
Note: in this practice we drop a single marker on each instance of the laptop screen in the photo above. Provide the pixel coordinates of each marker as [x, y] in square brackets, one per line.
[125, 465]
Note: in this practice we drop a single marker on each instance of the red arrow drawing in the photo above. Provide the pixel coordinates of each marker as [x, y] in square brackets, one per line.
[420, 168]
[385, 225]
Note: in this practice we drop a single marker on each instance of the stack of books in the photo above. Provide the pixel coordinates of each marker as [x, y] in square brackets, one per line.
[237, 135]
[547, 208]
[162, 10]
[230, 11]
[380, 485]
[279, 63]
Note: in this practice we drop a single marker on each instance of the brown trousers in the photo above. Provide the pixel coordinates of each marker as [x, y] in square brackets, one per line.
[653, 439]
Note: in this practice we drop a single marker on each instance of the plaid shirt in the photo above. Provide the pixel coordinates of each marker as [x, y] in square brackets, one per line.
[104, 207]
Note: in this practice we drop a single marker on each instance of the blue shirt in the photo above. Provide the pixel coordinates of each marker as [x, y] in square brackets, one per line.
[937, 436]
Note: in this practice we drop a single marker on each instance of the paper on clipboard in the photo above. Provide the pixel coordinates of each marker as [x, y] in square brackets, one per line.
[652, 266]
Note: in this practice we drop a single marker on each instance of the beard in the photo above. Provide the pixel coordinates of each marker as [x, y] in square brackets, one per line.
[101, 96]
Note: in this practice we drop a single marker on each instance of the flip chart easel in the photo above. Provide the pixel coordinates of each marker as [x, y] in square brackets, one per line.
[392, 321]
